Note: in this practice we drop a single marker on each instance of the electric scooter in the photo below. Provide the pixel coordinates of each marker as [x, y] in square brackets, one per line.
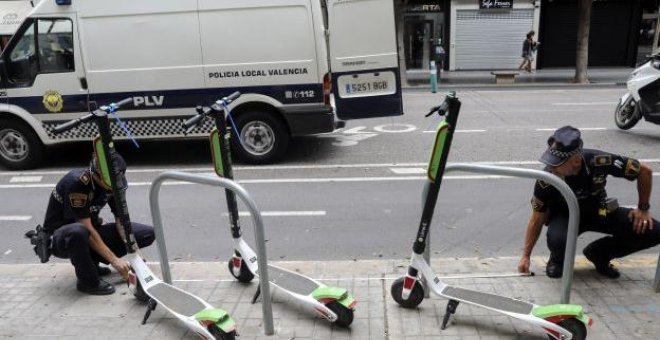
[642, 99]
[332, 303]
[561, 321]
[202, 318]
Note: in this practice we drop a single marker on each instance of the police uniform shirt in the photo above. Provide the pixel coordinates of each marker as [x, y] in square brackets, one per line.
[75, 197]
[588, 185]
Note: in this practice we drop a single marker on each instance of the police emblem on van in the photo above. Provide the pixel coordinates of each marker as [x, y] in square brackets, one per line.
[53, 101]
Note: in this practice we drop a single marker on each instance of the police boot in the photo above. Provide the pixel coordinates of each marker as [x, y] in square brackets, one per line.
[554, 269]
[603, 266]
[102, 288]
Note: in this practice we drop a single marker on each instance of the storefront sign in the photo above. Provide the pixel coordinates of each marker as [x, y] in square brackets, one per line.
[424, 8]
[490, 4]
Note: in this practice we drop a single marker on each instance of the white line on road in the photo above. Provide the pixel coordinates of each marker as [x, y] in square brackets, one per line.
[283, 167]
[26, 179]
[8, 252]
[15, 218]
[408, 171]
[585, 104]
[459, 131]
[581, 129]
[298, 180]
[283, 213]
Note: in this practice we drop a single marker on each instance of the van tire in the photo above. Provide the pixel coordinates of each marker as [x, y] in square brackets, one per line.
[20, 148]
[264, 137]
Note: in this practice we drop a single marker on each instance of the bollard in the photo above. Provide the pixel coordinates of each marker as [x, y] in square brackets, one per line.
[434, 77]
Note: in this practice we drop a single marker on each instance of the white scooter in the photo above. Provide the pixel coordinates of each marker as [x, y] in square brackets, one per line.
[198, 315]
[559, 322]
[643, 97]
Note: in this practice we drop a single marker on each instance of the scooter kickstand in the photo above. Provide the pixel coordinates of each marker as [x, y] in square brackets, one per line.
[150, 306]
[451, 309]
[256, 294]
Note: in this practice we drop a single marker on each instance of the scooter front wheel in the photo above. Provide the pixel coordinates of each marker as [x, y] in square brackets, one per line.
[626, 115]
[219, 334]
[575, 327]
[416, 295]
[135, 287]
[245, 275]
[344, 315]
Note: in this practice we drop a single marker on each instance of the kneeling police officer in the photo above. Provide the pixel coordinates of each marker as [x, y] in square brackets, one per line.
[72, 218]
[585, 171]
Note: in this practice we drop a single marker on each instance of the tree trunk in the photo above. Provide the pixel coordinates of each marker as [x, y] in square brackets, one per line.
[582, 52]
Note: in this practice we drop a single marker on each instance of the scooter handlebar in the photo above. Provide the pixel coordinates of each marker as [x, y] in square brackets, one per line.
[191, 122]
[71, 124]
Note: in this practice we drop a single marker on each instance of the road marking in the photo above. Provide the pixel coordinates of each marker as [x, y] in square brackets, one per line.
[8, 252]
[283, 213]
[581, 129]
[395, 128]
[408, 171]
[26, 179]
[459, 131]
[585, 104]
[290, 167]
[15, 218]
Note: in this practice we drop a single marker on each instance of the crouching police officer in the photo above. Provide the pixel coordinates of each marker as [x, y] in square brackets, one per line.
[73, 219]
[585, 171]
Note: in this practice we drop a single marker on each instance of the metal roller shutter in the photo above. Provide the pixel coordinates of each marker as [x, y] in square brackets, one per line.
[491, 40]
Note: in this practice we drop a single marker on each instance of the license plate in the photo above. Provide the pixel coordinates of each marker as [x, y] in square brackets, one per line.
[366, 84]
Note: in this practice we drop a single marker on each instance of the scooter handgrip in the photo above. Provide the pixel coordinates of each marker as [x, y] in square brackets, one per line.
[70, 124]
[192, 121]
[232, 97]
[124, 102]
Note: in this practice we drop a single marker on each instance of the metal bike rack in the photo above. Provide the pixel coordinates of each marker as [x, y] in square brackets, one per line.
[564, 189]
[266, 306]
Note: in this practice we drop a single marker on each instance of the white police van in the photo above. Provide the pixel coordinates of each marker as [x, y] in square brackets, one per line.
[69, 56]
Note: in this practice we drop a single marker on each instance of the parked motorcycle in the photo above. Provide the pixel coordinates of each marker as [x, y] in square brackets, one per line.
[643, 96]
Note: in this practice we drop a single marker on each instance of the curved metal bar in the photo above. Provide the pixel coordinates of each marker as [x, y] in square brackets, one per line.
[154, 191]
[564, 189]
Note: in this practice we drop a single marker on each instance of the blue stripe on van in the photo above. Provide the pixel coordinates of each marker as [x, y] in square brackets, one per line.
[369, 107]
[286, 94]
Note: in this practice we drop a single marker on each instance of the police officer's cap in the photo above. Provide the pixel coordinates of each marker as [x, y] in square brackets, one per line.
[563, 144]
[120, 165]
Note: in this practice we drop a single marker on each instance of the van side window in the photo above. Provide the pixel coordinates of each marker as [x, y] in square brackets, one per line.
[50, 52]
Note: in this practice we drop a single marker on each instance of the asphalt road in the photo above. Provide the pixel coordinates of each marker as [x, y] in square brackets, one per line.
[356, 193]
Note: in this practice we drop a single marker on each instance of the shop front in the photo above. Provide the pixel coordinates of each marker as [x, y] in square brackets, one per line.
[488, 34]
[424, 32]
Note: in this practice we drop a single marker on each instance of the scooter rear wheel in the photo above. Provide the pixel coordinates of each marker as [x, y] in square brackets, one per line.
[219, 334]
[344, 315]
[415, 298]
[245, 275]
[575, 326]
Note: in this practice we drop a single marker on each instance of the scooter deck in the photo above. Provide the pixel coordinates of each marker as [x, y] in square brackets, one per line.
[293, 282]
[175, 299]
[488, 300]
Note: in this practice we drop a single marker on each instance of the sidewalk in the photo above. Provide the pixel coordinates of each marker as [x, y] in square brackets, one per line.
[544, 77]
[40, 301]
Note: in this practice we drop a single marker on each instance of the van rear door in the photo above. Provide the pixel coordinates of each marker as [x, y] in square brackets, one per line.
[363, 58]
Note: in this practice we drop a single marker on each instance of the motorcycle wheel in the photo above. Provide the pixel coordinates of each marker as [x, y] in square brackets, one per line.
[626, 115]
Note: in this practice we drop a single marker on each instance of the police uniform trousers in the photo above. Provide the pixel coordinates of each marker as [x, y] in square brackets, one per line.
[622, 239]
[71, 241]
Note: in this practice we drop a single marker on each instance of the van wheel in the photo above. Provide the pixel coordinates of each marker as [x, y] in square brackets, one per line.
[20, 148]
[263, 137]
